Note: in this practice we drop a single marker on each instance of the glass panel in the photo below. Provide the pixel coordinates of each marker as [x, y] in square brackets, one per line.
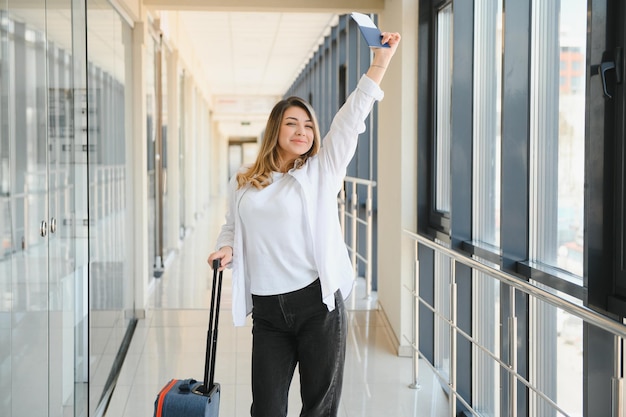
[557, 133]
[486, 331]
[37, 196]
[569, 363]
[151, 123]
[181, 152]
[557, 117]
[556, 359]
[65, 398]
[443, 97]
[27, 293]
[166, 244]
[235, 158]
[8, 244]
[250, 152]
[442, 305]
[487, 134]
[486, 198]
[74, 227]
[110, 290]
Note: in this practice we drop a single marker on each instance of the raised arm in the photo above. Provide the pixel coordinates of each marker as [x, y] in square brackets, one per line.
[340, 143]
[382, 56]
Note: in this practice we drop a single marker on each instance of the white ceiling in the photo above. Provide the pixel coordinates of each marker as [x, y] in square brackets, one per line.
[250, 59]
[250, 51]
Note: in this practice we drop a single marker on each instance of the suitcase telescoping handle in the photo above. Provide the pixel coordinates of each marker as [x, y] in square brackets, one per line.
[211, 340]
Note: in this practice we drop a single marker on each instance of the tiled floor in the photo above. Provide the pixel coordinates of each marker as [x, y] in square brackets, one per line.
[170, 341]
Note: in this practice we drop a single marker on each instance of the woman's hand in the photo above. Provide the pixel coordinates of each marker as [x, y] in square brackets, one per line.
[393, 40]
[224, 254]
[382, 56]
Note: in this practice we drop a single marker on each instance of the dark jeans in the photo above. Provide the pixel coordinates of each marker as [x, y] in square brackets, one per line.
[297, 328]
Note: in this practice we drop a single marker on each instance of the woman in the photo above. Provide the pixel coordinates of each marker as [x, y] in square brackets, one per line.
[283, 240]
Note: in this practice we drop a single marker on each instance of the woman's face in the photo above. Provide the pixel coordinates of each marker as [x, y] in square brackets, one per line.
[296, 134]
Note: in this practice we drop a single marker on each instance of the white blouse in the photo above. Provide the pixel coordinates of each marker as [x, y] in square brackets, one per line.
[319, 180]
[279, 255]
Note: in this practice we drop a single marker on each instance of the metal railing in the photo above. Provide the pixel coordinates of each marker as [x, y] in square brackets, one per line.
[515, 284]
[356, 218]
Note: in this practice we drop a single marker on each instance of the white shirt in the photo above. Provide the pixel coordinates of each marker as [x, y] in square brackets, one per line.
[320, 180]
[279, 257]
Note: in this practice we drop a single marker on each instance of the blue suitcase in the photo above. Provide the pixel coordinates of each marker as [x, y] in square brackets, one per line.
[188, 397]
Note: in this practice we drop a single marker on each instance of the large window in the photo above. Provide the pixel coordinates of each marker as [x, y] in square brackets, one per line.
[486, 143]
[557, 143]
[443, 129]
[557, 134]
[443, 99]
[111, 291]
[486, 135]
[521, 167]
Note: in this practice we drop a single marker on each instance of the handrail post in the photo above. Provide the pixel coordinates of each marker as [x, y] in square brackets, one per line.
[590, 316]
[617, 382]
[512, 354]
[508, 361]
[416, 322]
[368, 231]
[353, 243]
[453, 341]
[365, 218]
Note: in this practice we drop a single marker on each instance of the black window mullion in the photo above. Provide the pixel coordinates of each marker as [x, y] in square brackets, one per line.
[615, 144]
[424, 115]
[461, 181]
[604, 203]
[461, 137]
[515, 134]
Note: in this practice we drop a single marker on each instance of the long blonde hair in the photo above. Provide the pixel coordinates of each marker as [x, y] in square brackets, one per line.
[268, 160]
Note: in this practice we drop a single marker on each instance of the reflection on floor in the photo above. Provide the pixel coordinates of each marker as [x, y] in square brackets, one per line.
[170, 341]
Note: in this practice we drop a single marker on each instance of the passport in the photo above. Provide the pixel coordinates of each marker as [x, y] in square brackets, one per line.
[369, 30]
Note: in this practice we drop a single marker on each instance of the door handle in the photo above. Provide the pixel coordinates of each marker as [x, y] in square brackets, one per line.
[53, 225]
[616, 64]
[43, 228]
[604, 67]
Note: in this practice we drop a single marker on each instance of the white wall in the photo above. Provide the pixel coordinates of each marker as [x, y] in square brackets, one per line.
[397, 173]
[219, 163]
[200, 144]
[173, 152]
[137, 167]
[130, 9]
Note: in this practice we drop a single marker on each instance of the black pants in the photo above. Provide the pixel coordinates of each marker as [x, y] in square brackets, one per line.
[297, 328]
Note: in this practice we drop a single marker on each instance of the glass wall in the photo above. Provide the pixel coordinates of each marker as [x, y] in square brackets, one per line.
[181, 153]
[558, 133]
[557, 140]
[486, 137]
[63, 273]
[159, 195]
[42, 343]
[164, 186]
[443, 102]
[104, 101]
[152, 53]
[504, 107]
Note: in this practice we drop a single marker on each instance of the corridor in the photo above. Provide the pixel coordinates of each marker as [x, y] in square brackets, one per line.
[484, 204]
